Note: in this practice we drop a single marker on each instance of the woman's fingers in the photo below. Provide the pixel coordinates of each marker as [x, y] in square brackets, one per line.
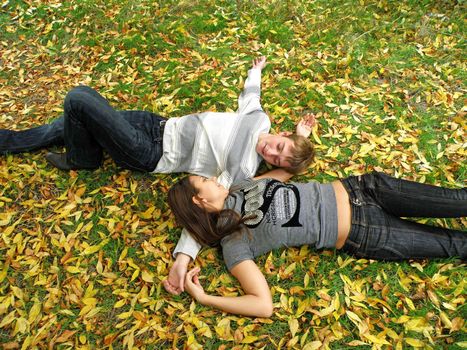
[190, 274]
[191, 280]
[192, 284]
[196, 280]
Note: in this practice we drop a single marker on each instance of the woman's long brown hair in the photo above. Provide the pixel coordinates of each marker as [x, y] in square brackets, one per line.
[208, 228]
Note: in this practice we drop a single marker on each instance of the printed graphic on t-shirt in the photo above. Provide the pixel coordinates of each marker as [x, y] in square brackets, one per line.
[274, 202]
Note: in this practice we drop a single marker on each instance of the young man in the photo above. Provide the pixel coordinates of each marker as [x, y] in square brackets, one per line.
[227, 145]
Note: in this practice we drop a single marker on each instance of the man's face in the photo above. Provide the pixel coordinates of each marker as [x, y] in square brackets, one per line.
[275, 149]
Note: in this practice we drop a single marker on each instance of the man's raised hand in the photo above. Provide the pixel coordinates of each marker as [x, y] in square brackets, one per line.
[259, 63]
[305, 125]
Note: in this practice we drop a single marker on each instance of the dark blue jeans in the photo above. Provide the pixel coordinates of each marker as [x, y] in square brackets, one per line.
[20, 141]
[378, 201]
[90, 125]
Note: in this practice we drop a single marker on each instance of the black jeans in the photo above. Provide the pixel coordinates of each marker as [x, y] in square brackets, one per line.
[378, 201]
[89, 126]
[12, 142]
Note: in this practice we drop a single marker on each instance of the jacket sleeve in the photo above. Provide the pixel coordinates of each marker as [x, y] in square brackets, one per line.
[249, 99]
[187, 245]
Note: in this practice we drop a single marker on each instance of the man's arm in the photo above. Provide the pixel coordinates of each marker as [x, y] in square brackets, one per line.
[175, 283]
[249, 100]
[187, 245]
[187, 248]
[257, 300]
[277, 174]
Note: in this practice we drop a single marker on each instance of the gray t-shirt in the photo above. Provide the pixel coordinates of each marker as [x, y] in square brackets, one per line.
[286, 215]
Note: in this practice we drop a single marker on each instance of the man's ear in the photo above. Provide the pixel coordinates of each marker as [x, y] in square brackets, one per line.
[200, 202]
[285, 133]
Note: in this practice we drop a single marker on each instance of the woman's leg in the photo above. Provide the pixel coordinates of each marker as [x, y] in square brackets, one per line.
[412, 199]
[92, 125]
[378, 235]
[12, 141]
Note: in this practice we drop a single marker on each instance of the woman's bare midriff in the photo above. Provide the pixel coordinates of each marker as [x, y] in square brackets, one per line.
[344, 213]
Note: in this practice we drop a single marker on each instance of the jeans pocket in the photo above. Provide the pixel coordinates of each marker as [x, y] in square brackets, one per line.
[351, 247]
[374, 238]
[384, 244]
[353, 242]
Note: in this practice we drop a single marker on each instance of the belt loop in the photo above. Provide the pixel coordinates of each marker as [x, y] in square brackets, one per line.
[159, 137]
[161, 128]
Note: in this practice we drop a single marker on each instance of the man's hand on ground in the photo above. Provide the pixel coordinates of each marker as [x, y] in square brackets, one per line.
[305, 125]
[175, 283]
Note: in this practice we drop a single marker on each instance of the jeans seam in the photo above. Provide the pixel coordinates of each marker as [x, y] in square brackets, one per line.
[420, 196]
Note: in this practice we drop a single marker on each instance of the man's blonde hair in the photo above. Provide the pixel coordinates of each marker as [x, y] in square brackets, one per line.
[302, 155]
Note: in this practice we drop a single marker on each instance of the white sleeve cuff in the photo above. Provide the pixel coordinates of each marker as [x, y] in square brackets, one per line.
[254, 78]
[187, 245]
[249, 99]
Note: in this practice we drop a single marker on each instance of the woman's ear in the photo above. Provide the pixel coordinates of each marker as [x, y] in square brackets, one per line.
[203, 203]
[200, 202]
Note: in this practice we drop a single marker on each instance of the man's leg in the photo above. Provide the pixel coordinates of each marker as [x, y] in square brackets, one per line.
[12, 141]
[92, 125]
[412, 199]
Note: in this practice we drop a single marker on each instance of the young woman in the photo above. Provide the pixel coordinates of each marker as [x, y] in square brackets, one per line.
[360, 215]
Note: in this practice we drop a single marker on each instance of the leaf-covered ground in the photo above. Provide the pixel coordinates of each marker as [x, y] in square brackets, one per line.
[82, 254]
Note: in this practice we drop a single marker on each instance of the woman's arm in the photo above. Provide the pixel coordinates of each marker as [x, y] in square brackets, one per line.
[257, 300]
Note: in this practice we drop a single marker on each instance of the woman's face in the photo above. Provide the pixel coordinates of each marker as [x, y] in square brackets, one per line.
[209, 191]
